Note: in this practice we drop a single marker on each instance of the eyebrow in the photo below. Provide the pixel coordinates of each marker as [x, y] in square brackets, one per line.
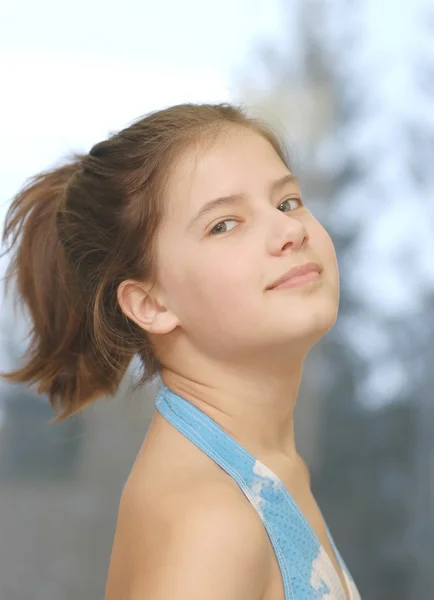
[239, 198]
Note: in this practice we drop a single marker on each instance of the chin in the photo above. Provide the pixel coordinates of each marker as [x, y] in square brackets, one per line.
[322, 323]
[314, 325]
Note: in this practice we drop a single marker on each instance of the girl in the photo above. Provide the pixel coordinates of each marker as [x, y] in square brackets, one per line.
[184, 240]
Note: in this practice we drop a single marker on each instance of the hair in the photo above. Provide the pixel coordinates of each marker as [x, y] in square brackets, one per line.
[78, 230]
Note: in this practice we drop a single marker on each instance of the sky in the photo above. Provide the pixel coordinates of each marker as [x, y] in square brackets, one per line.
[74, 75]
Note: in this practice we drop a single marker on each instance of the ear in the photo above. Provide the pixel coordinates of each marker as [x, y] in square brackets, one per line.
[141, 305]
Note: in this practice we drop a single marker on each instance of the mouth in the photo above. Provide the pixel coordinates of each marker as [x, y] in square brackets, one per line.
[298, 276]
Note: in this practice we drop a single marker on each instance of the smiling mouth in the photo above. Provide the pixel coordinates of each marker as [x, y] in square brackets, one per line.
[298, 275]
[298, 281]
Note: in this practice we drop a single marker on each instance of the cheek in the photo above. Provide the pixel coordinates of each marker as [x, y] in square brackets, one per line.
[216, 280]
[323, 245]
[215, 288]
[209, 289]
[224, 266]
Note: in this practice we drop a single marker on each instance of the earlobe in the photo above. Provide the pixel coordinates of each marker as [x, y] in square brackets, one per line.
[141, 306]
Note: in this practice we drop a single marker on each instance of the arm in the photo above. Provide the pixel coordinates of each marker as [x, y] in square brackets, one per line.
[215, 549]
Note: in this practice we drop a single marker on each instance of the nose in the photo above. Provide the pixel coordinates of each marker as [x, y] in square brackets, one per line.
[289, 233]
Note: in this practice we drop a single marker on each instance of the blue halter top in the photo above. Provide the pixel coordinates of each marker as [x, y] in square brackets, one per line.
[306, 569]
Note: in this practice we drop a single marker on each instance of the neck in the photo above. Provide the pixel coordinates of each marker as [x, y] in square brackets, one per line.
[255, 408]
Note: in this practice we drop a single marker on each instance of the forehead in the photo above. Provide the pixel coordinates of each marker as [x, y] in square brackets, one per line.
[238, 160]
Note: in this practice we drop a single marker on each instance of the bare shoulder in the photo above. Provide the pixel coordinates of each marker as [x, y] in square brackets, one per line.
[202, 542]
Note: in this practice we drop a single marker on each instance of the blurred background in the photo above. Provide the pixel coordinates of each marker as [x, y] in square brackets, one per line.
[350, 83]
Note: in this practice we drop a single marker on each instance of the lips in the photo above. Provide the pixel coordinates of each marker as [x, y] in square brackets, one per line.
[309, 267]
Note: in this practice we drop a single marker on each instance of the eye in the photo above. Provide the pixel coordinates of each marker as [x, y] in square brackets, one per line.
[221, 228]
[297, 202]
[217, 228]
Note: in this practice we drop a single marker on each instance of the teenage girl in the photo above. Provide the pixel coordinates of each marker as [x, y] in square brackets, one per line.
[184, 240]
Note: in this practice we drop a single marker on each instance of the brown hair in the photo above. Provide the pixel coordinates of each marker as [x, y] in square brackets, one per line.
[77, 231]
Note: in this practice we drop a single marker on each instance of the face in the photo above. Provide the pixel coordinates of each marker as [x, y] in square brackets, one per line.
[214, 266]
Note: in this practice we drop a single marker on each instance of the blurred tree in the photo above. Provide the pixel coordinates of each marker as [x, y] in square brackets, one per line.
[333, 82]
[376, 149]
[32, 449]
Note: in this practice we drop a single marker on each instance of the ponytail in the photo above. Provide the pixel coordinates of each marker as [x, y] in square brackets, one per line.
[56, 359]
